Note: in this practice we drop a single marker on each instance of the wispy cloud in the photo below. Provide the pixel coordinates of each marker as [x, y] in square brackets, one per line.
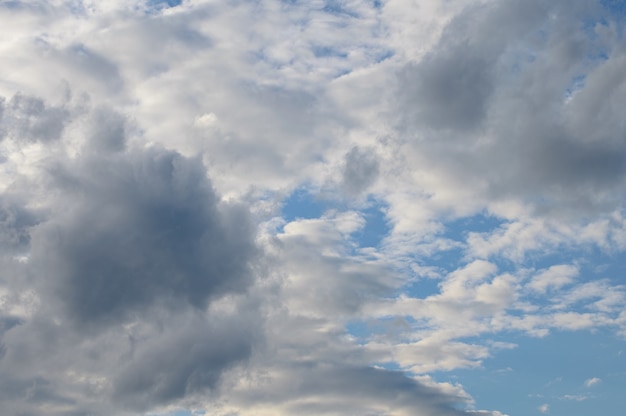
[592, 382]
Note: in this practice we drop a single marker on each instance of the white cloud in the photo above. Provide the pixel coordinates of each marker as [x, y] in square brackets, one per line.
[544, 408]
[554, 277]
[575, 397]
[592, 382]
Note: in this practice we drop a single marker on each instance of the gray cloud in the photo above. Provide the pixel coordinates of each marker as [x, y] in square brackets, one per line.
[187, 360]
[360, 170]
[377, 385]
[15, 222]
[337, 389]
[451, 87]
[489, 115]
[31, 119]
[141, 227]
[107, 285]
[109, 130]
[80, 58]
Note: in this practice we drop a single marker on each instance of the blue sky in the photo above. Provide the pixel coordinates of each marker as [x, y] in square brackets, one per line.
[563, 372]
[397, 207]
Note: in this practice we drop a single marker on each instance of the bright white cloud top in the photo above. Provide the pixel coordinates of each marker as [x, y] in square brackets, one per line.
[274, 207]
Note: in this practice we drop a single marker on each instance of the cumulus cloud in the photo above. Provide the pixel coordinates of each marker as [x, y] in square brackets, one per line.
[491, 65]
[123, 257]
[147, 226]
[554, 277]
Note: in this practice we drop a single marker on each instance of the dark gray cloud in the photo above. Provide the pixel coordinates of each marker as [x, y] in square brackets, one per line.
[122, 370]
[373, 386]
[109, 130]
[330, 388]
[141, 228]
[452, 90]
[513, 104]
[451, 87]
[360, 171]
[107, 285]
[188, 359]
[15, 223]
[31, 119]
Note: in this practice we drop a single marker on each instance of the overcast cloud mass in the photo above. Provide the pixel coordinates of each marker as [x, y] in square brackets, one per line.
[346, 207]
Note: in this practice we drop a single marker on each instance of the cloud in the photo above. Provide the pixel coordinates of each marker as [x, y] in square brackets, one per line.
[361, 170]
[147, 150]
[592, 382]
[544, 408]
[555, 276]
[490, 66]
[28, 118]
[123, 258]
[189, 359]
[336, 389]
[575, 397]
[147, 226]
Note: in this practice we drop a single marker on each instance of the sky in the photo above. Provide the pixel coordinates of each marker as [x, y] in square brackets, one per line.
[323, 207]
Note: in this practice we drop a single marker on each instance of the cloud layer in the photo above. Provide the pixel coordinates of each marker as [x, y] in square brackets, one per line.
[150, 151]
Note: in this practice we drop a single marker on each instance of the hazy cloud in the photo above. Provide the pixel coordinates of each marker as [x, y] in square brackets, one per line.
[592, 382]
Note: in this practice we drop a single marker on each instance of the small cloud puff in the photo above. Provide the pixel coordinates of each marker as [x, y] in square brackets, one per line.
[592, 382]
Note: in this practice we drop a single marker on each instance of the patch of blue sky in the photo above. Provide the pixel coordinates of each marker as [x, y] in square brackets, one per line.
[376, 227]
[321, 51]
[577, 84]
[593, 261]
[157, 5]
[598, 52]
[302, 204]
[421, 288]
[610, 11]
[383, 56]
[165, 3]
[460, 228]
[360, 330]
[617, 8]
[336, 7]
[552, 370]
[393, 326]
